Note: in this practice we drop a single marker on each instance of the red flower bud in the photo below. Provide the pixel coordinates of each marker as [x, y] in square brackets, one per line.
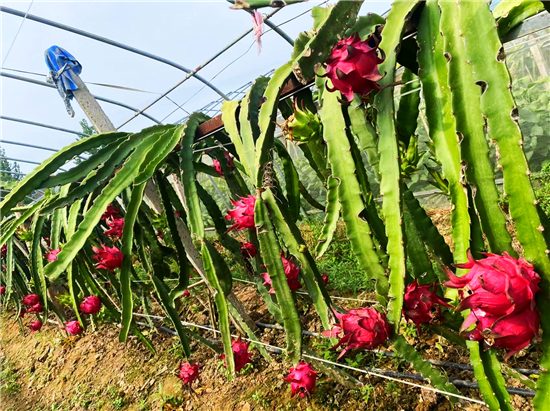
[116, 225]
[110, 213]
[292, 273]
[248, 250]
[242, 214]
[30, 300]
[2, 290]
[48, 241]
[240, 353]
[188, 373]
[4, 250]
[501, 297]
[35, 309]
[52, 255]
[108, 258]
[217, 167]
[160, 234]
[325, 279]
[353, 66]
[35, 325]
[419, 302]
[22, 312]
[363, 328]
[176, 212]
[73, 328]
[230, 162]
[90, 305]
[186, 294]
[302, 379]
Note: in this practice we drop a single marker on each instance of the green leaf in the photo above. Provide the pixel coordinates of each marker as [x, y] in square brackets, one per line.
[366, 25]
[407, 114]
[42, 173]
[127, 243]
[271, 253]
[7, 231]
[216, 280]
[292, 183]
[511, 13]
[166, 302]
[390, 169]
[332, 215]
[292, 237]
[441, 122]
[349, 192]
[435, 378]
[37, 265]
[500, 111]
[192, 205]
[122, 179]
[470, 127]
[268, 115]
[172, 225]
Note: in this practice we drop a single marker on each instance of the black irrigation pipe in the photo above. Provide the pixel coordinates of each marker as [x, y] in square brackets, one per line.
[464, 367]
[394, 374]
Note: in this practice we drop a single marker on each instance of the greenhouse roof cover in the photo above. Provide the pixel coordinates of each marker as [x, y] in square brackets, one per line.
[186, 32]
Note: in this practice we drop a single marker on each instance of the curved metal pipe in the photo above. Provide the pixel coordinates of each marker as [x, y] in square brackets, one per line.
[110, 42]
[107, 100]
[33, 123]
[25, 161]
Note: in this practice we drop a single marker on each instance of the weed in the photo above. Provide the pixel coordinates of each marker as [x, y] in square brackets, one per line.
[143, 406]
[164, 399]
[9, 378]
[261, 399]
[356, 362]
[176, 351]
[392, 389]
[65, 300]
[410, 331]
[366, 392]
[323, 345]
[116, 398]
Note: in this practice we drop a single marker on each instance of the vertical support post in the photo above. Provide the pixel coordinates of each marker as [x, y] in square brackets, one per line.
[91, 107]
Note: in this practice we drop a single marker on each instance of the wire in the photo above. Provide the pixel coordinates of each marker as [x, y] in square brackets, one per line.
[17, 34]
[241, 56]
[368, 372]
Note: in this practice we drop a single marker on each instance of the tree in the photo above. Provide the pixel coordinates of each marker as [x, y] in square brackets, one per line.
[9, 172]
[88, 130]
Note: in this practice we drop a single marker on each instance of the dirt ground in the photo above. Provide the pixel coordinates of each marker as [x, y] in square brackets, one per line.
[52, 372]
[48, 371]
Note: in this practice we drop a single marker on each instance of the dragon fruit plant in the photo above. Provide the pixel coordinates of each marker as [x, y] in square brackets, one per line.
[139, 202]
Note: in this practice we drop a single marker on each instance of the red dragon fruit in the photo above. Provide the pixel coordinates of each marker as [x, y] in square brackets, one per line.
[353, 66]
[501, 296]
[188, 373]
[362, 328]
[108, 258]
[420, 301]
[292, 273]
[242, 214]
[302, 379]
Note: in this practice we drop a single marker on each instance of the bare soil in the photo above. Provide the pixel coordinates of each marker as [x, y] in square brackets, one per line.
[48, 371]
[96, 372]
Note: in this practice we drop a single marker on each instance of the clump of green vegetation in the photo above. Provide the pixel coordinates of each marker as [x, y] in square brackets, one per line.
[543, 193]
[9, 378]
[259, 398]
[339, 262]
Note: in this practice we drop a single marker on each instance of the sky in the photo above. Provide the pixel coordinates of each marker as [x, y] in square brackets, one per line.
[187, 32]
